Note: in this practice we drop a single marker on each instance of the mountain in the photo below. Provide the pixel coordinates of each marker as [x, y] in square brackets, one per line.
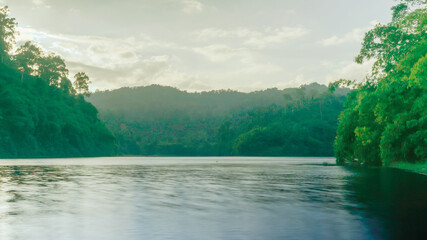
[159, 120]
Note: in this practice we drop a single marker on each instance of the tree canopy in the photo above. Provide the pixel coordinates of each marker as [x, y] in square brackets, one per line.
[158, 120]
[40, 113]
[385, 119]
[7, 33]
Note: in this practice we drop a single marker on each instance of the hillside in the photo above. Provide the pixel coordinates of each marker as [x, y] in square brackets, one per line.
[39, 120]
[43, 113]
[157, 120]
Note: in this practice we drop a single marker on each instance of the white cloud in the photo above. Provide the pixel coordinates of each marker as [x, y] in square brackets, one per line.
[136, 61]
[116, 62]
[94, 50]
[290, 11]
[259, 68]
[154, 70]
[350, 71]
[159, 69]
[217, 33]
[253, 38]
[40, 3]
[192, 6]
[219, 52]
[276, 35]
[200, 43]
[111, 62]
[356, 35]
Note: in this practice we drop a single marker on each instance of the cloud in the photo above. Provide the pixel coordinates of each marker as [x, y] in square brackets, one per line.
[137, 61]
[259, 68]
[115, 62]
[219, 52]
[192, 6]
[356, 35]
[40, 3]
[200, 43]
[217, 33]
[253, 38]
[153, 70]
[28, 34]
[350, 71]
[291, 11]
[138, 74]
[94, 50]
[276, 35]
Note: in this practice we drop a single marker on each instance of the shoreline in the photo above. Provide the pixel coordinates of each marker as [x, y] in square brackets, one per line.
[412, 167]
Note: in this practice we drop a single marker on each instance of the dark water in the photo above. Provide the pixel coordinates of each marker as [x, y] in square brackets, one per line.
[208, 198]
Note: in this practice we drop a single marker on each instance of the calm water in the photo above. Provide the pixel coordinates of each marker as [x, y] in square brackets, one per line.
[207, 198]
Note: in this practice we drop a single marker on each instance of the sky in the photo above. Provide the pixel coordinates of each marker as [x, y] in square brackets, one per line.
[200, 45]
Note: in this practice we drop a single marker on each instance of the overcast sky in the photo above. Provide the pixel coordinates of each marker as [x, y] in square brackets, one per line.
[203, 44]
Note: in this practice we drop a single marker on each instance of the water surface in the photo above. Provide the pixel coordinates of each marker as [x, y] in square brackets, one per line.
[207, 198]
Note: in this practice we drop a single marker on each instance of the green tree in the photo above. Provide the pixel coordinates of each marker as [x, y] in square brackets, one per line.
[7, 33]
[27, 58]
[385, 117]
[53, 69]
[158, 120]
[41, 116]
[31, 60]
[389, 43]
[67, 86]
[81, 83]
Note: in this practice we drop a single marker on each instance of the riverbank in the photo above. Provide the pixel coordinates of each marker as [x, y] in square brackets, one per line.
[417, 167]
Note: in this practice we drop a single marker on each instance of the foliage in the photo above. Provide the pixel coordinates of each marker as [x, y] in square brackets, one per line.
[7, 33]
[157, 120]
[413, 167]
[40, 114]
[385, 118]
[81, 83]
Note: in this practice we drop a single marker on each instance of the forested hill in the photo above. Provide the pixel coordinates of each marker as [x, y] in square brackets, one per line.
[154, 102]
[157, 120]
[42, 113]
[39, 120]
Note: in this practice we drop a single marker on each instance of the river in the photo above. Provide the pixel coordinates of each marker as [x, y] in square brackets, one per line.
[208, 198]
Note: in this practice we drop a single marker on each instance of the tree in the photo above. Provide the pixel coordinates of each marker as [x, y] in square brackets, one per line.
[7, 33]
[389, 43]
[81, 83]
[43, 118]
[52, 68]
[31, 60]
[67, 86]
[27, 58]
[385, 117]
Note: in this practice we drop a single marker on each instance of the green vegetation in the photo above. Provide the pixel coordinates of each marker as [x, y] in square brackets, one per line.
[41, 114]
[159, 120]
[383, 121]
[413, 167]
[385, 118]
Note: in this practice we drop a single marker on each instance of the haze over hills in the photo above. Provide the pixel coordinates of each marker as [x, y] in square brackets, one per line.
[158, 120]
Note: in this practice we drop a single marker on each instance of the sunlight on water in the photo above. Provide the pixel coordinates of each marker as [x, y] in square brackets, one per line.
[202, 198]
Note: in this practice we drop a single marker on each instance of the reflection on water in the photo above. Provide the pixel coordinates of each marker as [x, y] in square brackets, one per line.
[207, 198]
[394, 200]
